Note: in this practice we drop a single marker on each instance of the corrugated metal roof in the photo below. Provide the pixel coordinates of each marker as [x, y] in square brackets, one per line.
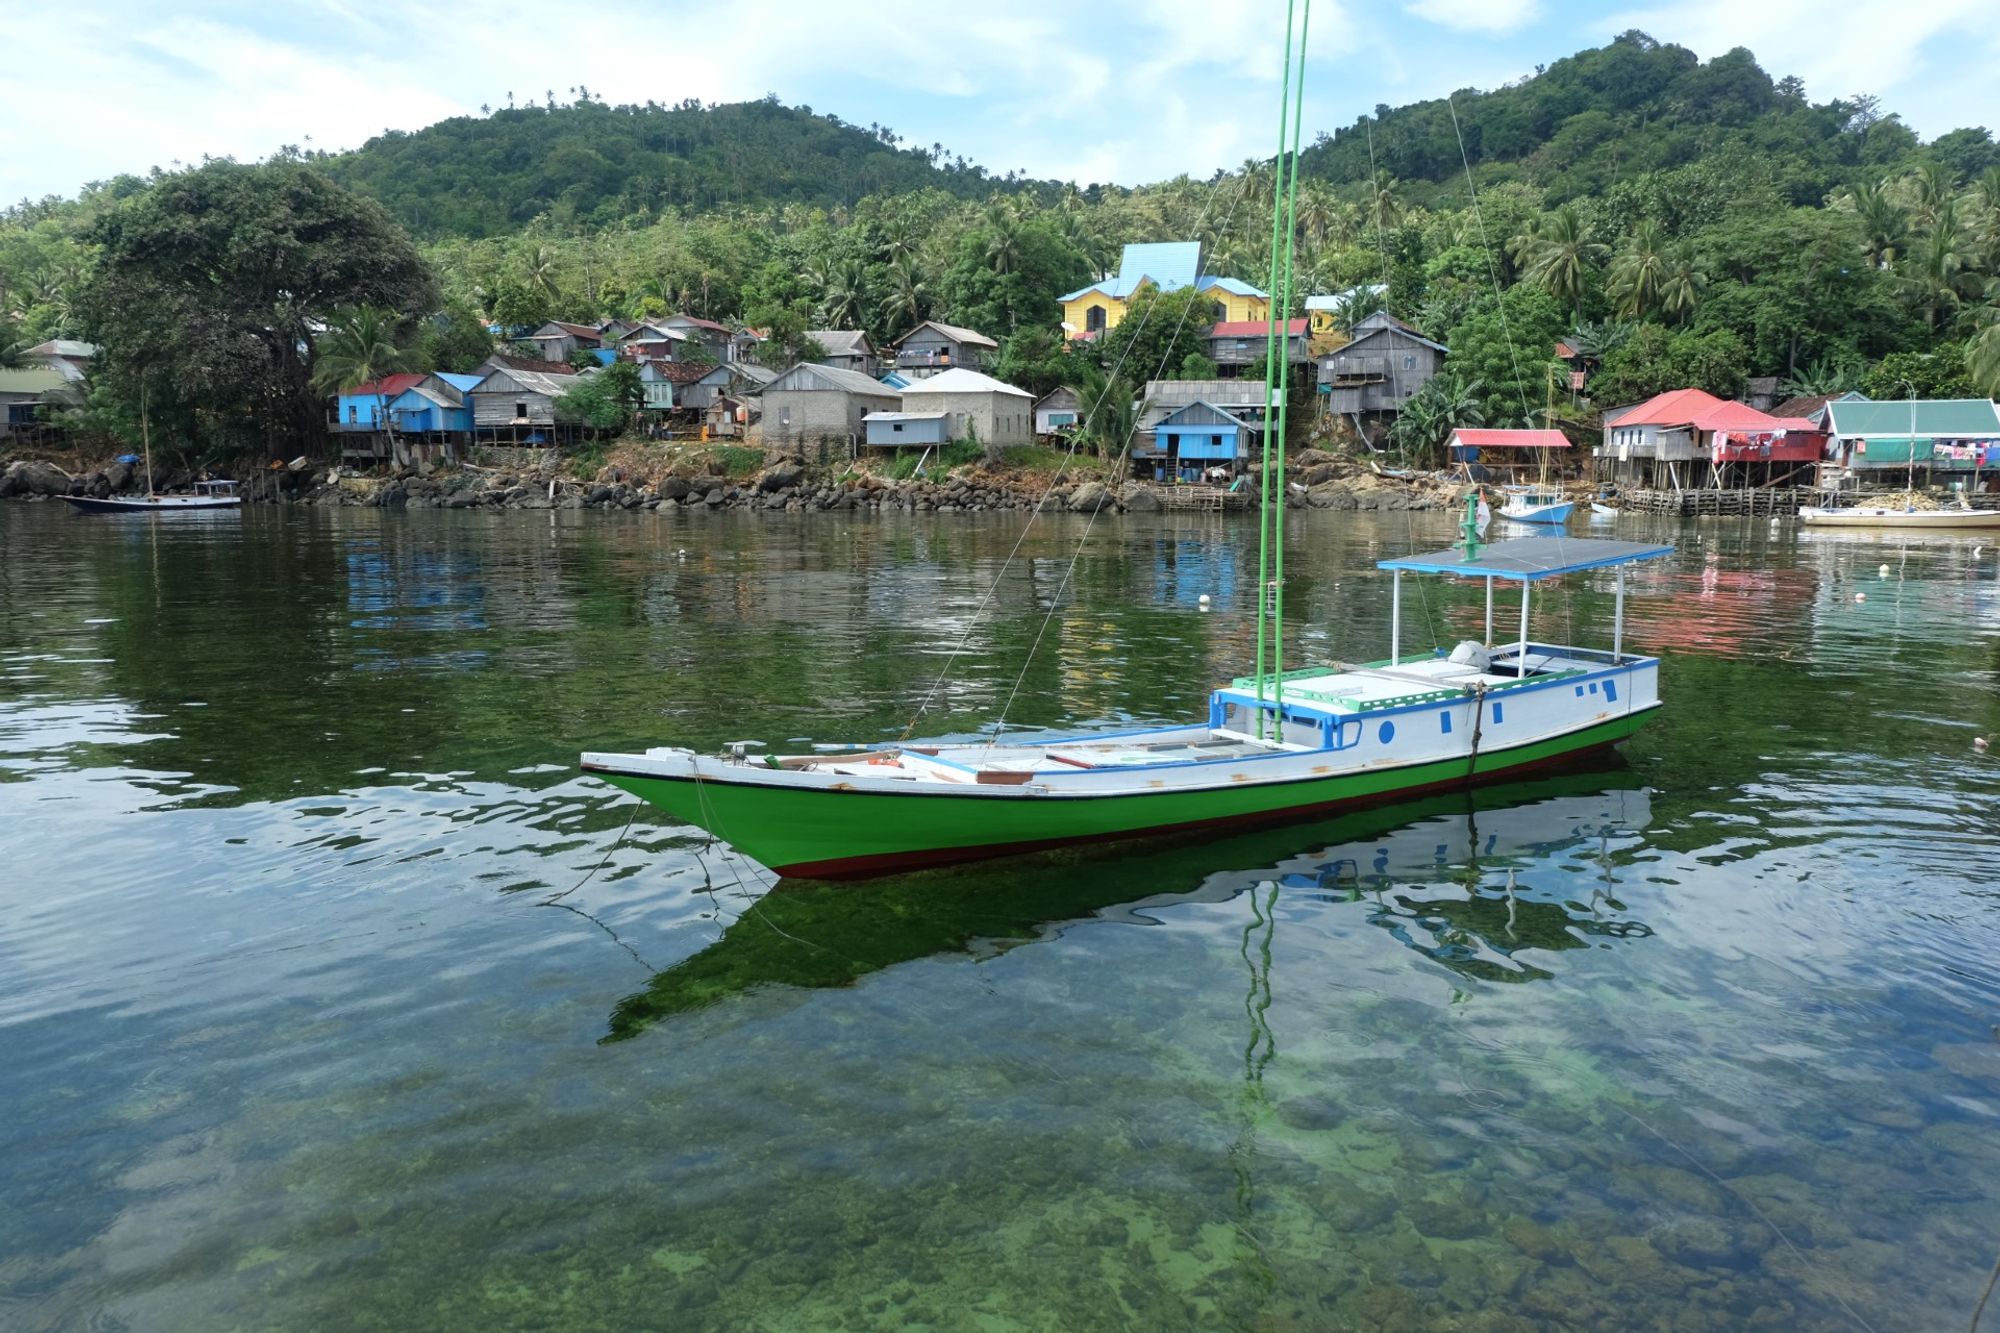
[551, 386]
[960, 380]
[63, 347]
[842, 342]
[1510, 439]
[1676, 407]
[388, 384]
[906, 416]
[808, 376]
[1201, 412]
[1951, 418]
[1235, 286]
[951, 331]
[756, 374]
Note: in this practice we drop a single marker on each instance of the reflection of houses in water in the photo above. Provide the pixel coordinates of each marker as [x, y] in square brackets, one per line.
[1717, 611]
[1190, 565]
[397, 591]
[1408, 874]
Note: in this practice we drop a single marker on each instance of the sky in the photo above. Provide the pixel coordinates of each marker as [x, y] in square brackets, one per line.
[1105, 90]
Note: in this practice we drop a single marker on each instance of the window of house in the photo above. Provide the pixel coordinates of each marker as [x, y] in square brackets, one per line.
[520, 409]
[1410, 362]
[1093, 319]
[353, 415]
[897, 427]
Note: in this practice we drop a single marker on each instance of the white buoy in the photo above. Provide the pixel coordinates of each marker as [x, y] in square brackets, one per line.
[1860, 596]
[1883, 572]
[1979, 744]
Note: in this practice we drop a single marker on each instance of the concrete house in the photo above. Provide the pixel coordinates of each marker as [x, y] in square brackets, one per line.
[847, 349]
[980, 407]
[813, 404]
[1379, 371]
[932, 348]
[1168, 265]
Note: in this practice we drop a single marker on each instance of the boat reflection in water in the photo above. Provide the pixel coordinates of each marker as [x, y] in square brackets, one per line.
[1449, 876]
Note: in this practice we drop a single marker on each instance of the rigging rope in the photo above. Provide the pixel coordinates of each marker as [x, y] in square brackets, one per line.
[1111, 382]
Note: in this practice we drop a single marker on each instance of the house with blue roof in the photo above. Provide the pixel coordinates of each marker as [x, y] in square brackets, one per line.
[1167, 265]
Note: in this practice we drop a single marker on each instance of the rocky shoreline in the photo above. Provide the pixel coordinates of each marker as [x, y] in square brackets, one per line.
[785, 484]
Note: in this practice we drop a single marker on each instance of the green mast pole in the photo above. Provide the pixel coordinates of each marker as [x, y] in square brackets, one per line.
[1281, 353]
[1264, 467]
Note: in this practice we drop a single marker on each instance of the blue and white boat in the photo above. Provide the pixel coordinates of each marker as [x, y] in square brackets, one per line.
[1536, 504]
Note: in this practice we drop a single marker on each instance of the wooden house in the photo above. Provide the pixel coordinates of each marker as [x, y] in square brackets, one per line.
[846, 349]
[435, 405]
[932, 348]
[1058, 409]
[364, 407]
[1886, 443]
[670, 385]
[720, 340]
[518, 405]
[1238, 345]
[555, 340]
[1371, 377]
[1092, 310]
[729, 417]
[650, 342]
[980, 407]
[508, 361]
[1190, 443]
[1689, 438]
[902, 430]
[820, 405]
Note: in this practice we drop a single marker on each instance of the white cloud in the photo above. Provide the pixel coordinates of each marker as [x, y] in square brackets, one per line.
[1495, 16]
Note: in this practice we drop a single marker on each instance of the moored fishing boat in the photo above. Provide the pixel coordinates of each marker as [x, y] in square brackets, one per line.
[217, 494]
[1953, 518]
[1308, 741]
[1536, 504]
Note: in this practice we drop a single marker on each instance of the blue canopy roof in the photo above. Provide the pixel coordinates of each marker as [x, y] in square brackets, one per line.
[1527, 559]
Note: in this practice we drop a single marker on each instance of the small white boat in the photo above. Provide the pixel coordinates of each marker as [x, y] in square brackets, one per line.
[1534, 504]
[1886, 516]
[206, 495]
[1601, 513]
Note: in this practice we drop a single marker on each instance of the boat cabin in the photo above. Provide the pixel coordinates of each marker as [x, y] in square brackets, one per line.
[216, 488]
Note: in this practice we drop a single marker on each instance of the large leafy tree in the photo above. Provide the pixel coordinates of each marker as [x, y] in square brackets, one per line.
[1159, 332]
[1504, 348]
[215, 285]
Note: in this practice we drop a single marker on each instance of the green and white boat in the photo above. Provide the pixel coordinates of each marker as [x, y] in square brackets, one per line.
[1276, 745]
[1305, 742]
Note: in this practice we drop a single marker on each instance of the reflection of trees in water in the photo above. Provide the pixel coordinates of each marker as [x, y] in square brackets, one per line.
[1478, 936]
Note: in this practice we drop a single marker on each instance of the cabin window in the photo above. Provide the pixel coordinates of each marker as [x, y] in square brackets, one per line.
[1444, 723]
[1499, 712]
[1386, 732]
[1610, 691]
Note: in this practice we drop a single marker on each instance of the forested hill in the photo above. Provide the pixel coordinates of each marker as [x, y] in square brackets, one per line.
[587, 162]
[1636, 105]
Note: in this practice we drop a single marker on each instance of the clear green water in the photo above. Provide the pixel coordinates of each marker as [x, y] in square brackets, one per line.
[286, 1040]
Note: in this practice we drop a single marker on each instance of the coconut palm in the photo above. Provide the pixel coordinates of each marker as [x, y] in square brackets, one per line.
[1638, 270]
[906, 297]
[1930, 188]
[1936, 276]
[1683, 280]
[358, 346]
[1883, 222]
[1982, 357]
[1563, 256]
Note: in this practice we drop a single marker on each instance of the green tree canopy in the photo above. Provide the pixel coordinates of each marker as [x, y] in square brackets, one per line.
[213, 286]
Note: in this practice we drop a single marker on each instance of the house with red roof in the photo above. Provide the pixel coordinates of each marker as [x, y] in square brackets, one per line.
[1236, 344]
[1688, 438]
[365, 407]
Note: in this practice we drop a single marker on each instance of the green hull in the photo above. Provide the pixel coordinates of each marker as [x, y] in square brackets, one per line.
[820, 833]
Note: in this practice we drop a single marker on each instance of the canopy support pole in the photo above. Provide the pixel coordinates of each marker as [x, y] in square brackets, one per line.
[1521, 662]
[1396, 619]
[1618, 621]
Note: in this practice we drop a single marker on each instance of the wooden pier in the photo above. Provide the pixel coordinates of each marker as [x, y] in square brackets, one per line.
[1199, 499]
[1750, 502]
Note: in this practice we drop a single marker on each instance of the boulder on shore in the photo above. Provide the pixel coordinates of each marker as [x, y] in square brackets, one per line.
[1139, 498]
[34, 477]
[1089, 498]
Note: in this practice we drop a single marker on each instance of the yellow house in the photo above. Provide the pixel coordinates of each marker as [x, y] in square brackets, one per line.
[1168, 265]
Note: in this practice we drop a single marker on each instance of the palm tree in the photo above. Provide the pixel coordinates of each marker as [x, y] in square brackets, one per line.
[1931, 188]
[1316, 211]
[1982, 357]
[538, 270]
[1563, 256]
[846, 294]
[1883, 224]
[907, 295]
[1386, 204]
[1682, 282]
[1106, 404]
[1003, 238]
[358, 347]
[1637, 272]
[1936, 275]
